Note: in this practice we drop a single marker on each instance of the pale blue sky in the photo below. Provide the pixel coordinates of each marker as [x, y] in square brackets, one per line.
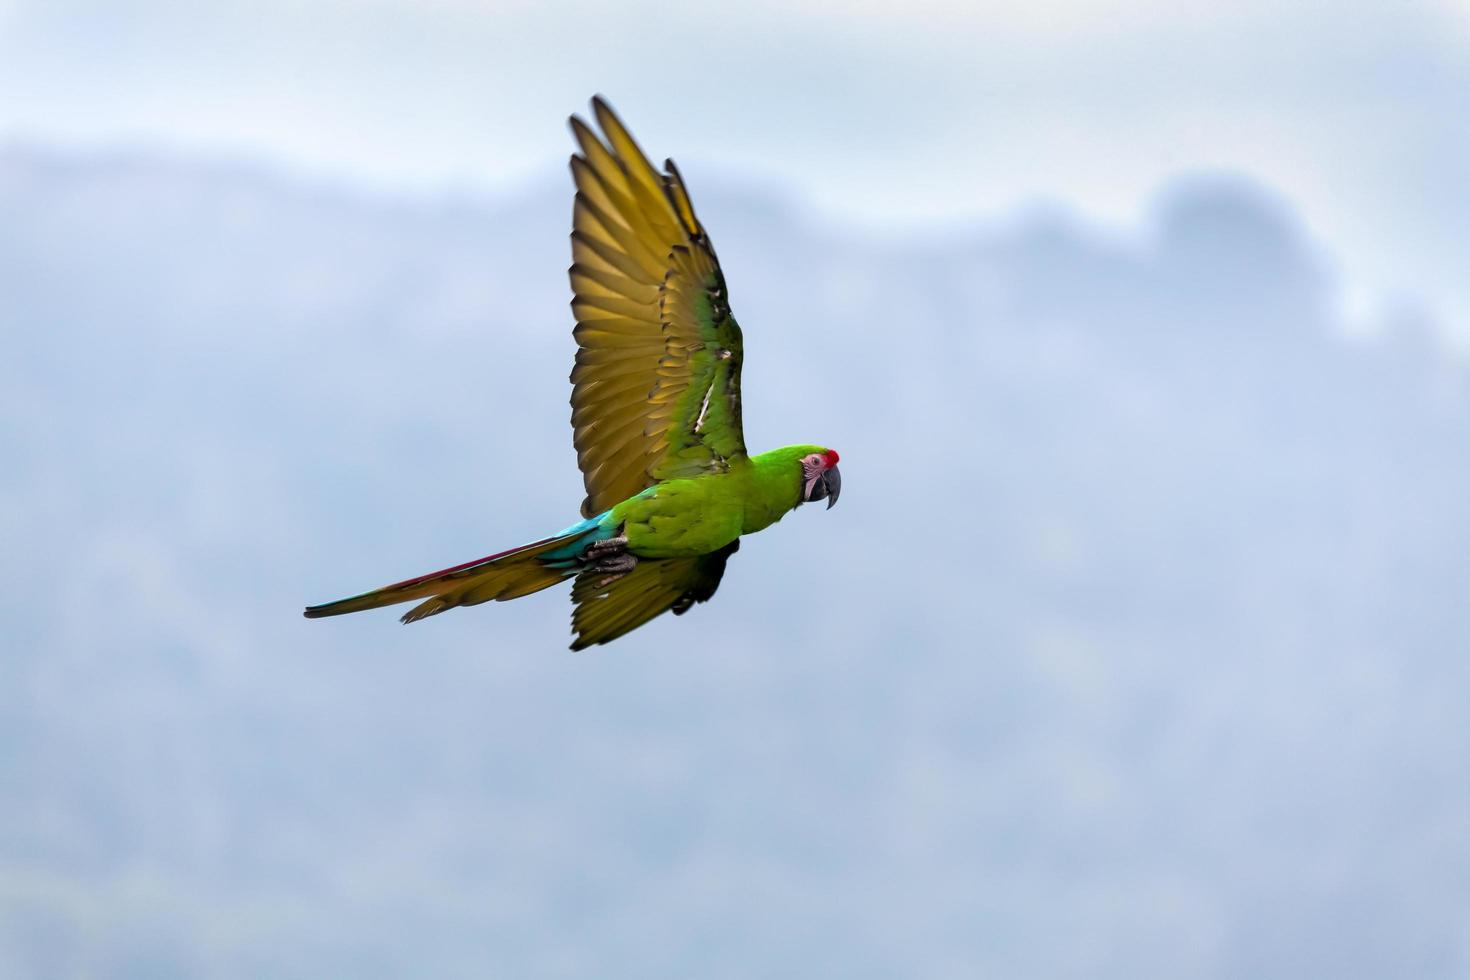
[872, 113]
[1141, 621]
[1136, 647]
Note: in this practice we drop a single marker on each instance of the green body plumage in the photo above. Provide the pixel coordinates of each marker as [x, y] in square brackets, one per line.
[695, 516]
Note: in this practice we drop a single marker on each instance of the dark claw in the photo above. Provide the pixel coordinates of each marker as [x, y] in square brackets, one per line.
[609, 557]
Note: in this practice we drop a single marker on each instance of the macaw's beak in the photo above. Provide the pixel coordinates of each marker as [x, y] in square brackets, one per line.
[833, 479]
[826, 484]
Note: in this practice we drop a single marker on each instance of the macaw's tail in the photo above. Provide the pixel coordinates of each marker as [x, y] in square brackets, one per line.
[508, 575]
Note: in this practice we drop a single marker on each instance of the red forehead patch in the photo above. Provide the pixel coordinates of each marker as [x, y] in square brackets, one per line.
[832, 458]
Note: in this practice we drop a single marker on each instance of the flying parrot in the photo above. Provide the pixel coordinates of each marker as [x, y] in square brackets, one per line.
[655, 418]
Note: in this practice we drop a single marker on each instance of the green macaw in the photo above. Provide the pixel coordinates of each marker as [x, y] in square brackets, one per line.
[655, 418]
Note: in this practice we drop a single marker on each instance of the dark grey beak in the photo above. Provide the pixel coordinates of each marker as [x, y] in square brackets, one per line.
[828, 485]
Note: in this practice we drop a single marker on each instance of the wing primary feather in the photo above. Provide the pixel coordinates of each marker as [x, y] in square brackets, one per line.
[679, 199]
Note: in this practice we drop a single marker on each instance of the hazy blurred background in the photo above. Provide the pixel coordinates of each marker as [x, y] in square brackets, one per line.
[1137, 646]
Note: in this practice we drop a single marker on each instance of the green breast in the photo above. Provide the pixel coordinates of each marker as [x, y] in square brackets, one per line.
[695, 516]
[683, 518]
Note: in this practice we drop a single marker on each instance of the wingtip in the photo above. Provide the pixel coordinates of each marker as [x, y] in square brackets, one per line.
[601, 108]
[607, 117]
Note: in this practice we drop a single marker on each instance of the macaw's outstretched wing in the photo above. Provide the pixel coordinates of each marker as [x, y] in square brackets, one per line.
[609, 607]
[656, 391]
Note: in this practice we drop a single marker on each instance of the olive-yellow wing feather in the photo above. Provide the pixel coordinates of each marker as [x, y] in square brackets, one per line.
[656, 387]
[609, 606]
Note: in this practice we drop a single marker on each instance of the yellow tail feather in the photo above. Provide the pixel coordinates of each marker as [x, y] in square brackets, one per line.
[508, 575]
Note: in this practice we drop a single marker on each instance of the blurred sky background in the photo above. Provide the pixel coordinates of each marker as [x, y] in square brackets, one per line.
[1137, 646]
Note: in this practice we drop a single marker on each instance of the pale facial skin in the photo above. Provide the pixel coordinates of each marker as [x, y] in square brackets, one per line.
[820, 478]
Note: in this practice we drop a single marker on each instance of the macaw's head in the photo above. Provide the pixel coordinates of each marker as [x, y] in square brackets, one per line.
[820, 478]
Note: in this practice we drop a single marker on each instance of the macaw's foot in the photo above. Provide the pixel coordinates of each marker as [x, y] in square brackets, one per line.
[611, 558]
